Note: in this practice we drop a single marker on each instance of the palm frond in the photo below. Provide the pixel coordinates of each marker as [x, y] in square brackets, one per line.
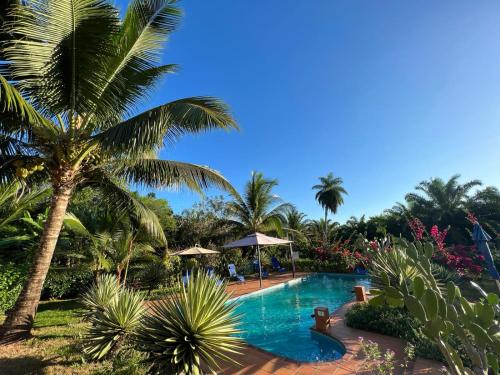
[19, 117]
[171, 174]
[149, 129]
[18, 200]
[125, 203]
[66, 41]
[142, 34]
[74, 224]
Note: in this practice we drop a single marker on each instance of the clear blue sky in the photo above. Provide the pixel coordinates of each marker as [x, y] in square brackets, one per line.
[382, 93]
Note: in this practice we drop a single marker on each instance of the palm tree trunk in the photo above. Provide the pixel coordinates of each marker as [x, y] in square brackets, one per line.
[326, 226]
[19, 321]
[129, 254]
[119, 275]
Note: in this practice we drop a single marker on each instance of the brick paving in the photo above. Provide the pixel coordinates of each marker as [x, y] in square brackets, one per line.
[258, 362]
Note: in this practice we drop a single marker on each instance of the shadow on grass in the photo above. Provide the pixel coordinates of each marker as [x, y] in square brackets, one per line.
[21, 365]
[63, 305]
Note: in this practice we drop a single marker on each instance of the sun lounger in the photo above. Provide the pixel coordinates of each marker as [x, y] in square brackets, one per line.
[234, 274]
[277, 265]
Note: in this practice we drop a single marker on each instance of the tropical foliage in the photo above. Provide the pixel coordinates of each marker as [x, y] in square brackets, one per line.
[258, 209]
[195, 328]
[114, 314]
[442, 311]
[71, 74]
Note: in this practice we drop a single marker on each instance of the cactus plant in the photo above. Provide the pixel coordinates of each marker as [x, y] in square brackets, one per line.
[442, 310]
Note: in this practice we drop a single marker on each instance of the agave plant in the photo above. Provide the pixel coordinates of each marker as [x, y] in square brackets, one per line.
[115, 314]
[392, 263]
[101, 294]
[190, 332]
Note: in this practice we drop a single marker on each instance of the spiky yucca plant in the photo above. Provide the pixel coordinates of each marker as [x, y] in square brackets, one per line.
[114, 313]
[193, 330]
[100, 294]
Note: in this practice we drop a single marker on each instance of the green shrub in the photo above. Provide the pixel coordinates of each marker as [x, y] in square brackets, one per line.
[66, 282]
[392, 321]
[396, 322]
[153, 276]
[234, 256]
[315, 265]
[12, 277]
[173, 268]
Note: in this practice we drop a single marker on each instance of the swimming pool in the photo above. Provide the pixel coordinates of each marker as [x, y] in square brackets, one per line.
[278, 319]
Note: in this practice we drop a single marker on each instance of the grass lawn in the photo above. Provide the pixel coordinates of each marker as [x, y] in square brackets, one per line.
[54, 349]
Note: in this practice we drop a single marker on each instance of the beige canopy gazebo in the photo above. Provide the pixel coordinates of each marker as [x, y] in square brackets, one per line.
[196, 250]
[261, 240]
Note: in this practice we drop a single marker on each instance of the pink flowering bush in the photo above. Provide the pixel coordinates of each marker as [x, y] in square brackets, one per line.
[438, 236]
[343, 254]
[465, 260]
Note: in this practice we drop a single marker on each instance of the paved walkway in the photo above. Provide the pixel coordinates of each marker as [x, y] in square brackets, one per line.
[258, 362]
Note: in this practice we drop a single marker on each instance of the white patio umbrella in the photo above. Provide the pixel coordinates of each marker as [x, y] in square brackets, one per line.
[261, 240]
[196, 250]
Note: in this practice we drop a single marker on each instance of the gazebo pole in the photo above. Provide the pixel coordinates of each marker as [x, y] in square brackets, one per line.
[293, 262]
[260, 267]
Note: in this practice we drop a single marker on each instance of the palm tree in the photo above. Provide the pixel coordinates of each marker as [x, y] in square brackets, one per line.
[258, 210]
[329, 195]
[120, 248]
[440, 199]
[295, 223]
[71, 76]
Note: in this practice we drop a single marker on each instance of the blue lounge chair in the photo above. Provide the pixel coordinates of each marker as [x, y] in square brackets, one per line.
[234, 274]
[277, 265]
[256, 269]
[211, 273]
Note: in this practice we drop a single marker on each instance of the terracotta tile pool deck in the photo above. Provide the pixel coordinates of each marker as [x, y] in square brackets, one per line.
[259, 362]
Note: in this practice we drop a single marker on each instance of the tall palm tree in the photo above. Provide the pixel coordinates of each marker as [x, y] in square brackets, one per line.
[258, 210]
[441, 199]
[72, 76]
[329, 195]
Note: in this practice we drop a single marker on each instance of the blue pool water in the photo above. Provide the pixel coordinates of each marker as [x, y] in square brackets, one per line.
[278, 319]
